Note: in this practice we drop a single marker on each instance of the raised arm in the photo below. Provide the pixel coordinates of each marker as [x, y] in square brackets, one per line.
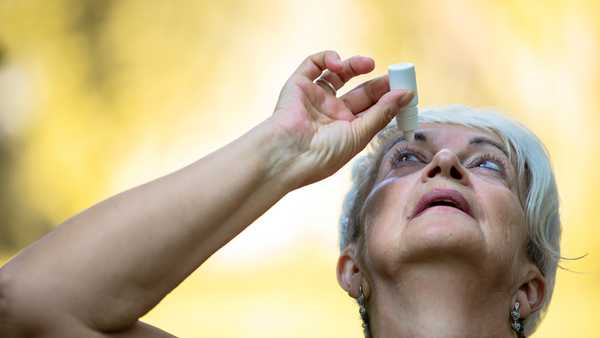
[103, 269]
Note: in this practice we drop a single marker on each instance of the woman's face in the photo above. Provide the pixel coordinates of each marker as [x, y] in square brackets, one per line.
[448, 196]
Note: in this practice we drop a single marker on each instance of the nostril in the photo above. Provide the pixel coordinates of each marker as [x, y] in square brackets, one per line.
[433, 172]
[455, 173]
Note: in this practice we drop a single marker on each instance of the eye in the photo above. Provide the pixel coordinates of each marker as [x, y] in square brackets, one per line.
[407, 157]
[489, 162]
[404, 157]
[490, 165]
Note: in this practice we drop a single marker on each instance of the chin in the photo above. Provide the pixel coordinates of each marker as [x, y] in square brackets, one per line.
[442, 236]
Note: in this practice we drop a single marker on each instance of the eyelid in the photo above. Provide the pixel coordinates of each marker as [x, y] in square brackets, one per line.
[406, 147]
[480, 158]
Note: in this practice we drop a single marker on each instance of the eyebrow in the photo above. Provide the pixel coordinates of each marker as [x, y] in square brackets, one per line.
[478, 140]
[419, 136]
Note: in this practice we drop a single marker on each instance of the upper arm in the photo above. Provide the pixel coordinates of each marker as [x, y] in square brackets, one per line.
[140, 330]
[31, 319]
[72, 329]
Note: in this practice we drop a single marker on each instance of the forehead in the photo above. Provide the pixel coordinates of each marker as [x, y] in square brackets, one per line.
[447, 133]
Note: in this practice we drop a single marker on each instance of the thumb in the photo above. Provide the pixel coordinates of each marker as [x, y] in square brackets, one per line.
[379, 115]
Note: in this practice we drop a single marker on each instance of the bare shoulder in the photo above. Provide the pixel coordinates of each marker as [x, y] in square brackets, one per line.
[76, 330]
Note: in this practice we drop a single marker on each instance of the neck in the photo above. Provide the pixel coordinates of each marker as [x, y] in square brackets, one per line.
[439, 301]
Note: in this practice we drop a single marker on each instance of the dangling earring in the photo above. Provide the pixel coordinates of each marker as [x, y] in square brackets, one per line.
[363, 312]
[517, 323]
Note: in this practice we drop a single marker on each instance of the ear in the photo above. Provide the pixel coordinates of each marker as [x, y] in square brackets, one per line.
[349, 275]
[531, 292]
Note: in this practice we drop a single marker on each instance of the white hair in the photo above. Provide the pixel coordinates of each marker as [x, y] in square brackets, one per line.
[536, 186]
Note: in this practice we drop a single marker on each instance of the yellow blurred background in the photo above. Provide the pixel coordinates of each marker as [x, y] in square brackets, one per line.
[100, 96]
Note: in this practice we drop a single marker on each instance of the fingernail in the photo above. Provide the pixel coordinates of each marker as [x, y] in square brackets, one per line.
[406, 97]
[401, 94]
[338, 59]
[368, 58]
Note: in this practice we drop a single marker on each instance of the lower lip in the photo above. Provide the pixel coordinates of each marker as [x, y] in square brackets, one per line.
[442, 209]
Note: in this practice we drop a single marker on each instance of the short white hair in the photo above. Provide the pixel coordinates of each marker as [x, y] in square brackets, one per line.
[536, 186]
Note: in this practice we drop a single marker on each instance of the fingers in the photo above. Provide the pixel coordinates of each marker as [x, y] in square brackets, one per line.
[354, 66]
[328, 65]
[379, 115]
[315, 64]
[366, 94]
[326, 85]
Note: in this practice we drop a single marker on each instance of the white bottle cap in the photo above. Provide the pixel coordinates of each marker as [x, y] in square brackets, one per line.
[402, 76]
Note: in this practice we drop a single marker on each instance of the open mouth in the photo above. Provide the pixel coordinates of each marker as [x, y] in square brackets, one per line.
[442, 197]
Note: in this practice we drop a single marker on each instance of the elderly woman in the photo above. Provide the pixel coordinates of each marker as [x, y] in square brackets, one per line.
[454, 234]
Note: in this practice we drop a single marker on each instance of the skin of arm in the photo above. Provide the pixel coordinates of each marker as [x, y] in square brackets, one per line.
[102, 269]
[116, 260]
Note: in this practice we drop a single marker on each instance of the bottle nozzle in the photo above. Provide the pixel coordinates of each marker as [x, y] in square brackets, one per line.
[407, 120]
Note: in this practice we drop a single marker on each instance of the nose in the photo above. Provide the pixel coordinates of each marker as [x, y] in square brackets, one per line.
[446, 164]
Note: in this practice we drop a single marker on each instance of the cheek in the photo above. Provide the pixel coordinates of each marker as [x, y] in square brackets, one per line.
[503, 222]
[386, 213]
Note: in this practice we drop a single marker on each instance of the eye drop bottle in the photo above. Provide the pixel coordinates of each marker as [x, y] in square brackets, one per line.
[402, 76]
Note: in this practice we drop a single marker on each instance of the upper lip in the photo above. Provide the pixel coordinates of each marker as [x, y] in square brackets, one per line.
[438, 195]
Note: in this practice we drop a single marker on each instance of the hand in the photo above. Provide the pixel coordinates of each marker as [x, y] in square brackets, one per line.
[319, 132]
